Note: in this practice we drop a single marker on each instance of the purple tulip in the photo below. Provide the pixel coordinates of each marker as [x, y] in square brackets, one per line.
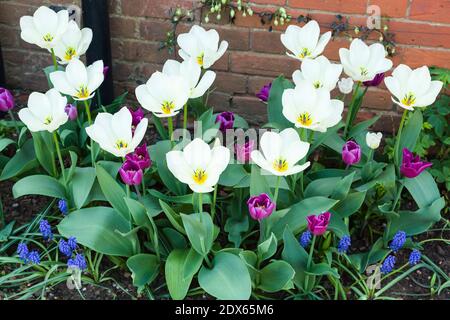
[263, 94]
[71, 111]
[375, 81]
[226, 120]
[260, 207]
[141, 157]
[136, 117]
[411, 165]
[6, 100]
[243, 151]
[351, 153]
[317, 225]
[131, 173]
[105, 71]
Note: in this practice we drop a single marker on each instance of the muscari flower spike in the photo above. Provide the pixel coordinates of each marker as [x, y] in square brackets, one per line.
[22, 251]
[398, 241]
[46, 230]
[414, 257]
[72, 242]
[388, 264]
[62, 206]
[64, 248]
[305, 238]
[33, 257]
[344, 244]
[78, 262]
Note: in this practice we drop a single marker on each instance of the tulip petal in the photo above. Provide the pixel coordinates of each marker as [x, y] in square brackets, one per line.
[205, 83]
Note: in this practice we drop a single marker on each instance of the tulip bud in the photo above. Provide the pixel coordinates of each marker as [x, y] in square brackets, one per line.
[71, 111]
[226, 120]
[351, 153]
[373, 139]
[260, 207]
[6, 100]
[318, 225]
[345, 85]
[411, 165]
[130, 173]
[375, 81]
[243, 151]
[263, 94]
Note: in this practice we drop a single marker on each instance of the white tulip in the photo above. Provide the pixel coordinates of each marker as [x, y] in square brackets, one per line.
[74, 43]
[363, 62]
[190, 71]
[412, 88]
[198, 165]
[373, 139]
[345, 85]
[44, 111]
[163, 94]
[280, 152]
[320, 73]
[201, 46]
[78, 81]
[305, 43]
[311, 108]
[113, 132]
[45, 28]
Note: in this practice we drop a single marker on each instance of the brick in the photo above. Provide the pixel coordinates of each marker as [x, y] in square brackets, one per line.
[238, 38]
[259, 64]
[344, 6]
[223, 63]
[10, 13]
[426, 10]
[251, 108]
[420, 34]
[388, 9]
[230, 82]
[220, 101]
[154, 30]
[139, 51]
[417, 57]
[378, 99]
[158, 9]
[332, 49]
[122, 27]
[268, 42]
[272, 2]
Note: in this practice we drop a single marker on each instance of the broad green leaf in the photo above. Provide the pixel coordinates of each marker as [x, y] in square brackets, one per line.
[185, 199]
[342, 187]
[275, 276]
[321, 187]
[295, 218]
[200, 231]
[268, 248]
[177, 284]
[228, 279]
[423, 189]
[23, 161]
[44, 149]
[82, 181]
[98, 229]
[322, 269]
[138, 212]
[233, 174]
[41, 185]
[192, 264]
[4, 142]
[274, 105]
[144, 268]
[338, 226]
[410, 133]
[258, 182]
[173, 217]
[350, 204]
[112, 191]
[295, 255]
[362, 126]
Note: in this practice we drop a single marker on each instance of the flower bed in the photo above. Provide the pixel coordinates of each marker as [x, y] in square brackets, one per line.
[306, 207]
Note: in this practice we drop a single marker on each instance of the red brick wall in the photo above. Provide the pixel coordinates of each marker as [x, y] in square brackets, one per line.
[255, 55]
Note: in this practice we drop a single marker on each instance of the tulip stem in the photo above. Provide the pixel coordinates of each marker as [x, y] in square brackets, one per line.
[397, 198]
[13, 119]
[185, 115]
[397, 140]
[350, 109]
[275, 197]
[213, 206]
[55, 63]
[262, 231]
[308, 265]
[58, 151]
[143, 187]
[170, 128]
[88, 111]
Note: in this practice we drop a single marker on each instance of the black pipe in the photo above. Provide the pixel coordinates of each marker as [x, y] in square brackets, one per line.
[96, 17]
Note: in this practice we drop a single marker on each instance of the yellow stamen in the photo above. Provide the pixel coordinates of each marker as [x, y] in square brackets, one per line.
[200, 59]
[70, 52]
[48, 37]
[120, 144]
[48, 120]
[82, 92]
[409, 99]
[167, 107]
[304, 119]
[317, 85]
[280, 165]
[304, 53]
[363, 71]
[200, 176]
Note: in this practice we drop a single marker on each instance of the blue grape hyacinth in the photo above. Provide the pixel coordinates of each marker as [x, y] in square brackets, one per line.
[305, 238]
[62, 205]
[33, 257]
[388, 265]
[64, 248]
[72, 242]
[46, 230]
[398, 241]
[22, 251]
[344, 244]
[414, 257]
[78, 262]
